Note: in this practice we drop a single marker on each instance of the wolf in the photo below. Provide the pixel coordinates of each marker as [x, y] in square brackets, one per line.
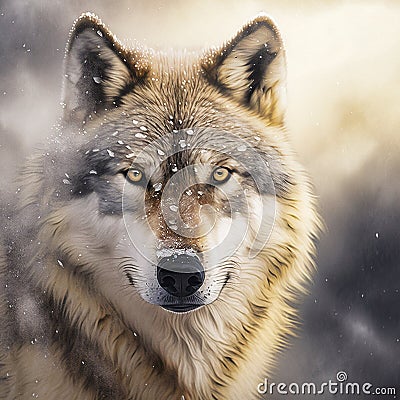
[157, 246]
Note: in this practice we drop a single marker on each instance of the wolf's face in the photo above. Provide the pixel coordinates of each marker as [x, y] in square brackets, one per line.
[178, 166]
[195, 199]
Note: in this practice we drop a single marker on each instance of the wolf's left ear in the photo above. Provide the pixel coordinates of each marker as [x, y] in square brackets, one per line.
[252, 69]
[98, 69]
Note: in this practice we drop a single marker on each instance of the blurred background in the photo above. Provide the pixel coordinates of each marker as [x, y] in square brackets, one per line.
[344, 119]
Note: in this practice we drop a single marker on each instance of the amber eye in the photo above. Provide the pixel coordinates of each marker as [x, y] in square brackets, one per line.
[221, 175]
[134, 175]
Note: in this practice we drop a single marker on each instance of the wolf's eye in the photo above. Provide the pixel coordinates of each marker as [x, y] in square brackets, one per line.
[221, 175]
[134, 175]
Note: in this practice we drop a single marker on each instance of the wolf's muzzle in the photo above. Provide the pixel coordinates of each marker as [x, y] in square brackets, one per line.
[180, 275]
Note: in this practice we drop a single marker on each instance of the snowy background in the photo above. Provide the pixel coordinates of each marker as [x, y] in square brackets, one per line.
[344, 118]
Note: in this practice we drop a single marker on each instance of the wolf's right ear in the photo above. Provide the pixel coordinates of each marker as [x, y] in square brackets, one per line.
[98, 70]
[251, 68]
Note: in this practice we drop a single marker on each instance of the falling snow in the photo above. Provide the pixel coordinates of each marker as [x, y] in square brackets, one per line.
[157, 186]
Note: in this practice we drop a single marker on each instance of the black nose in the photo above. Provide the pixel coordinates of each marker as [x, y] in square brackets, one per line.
[180, 275]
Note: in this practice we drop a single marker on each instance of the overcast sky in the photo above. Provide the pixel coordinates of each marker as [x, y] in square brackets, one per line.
[344, 100]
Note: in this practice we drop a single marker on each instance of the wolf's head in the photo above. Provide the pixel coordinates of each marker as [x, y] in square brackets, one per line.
[175, 181]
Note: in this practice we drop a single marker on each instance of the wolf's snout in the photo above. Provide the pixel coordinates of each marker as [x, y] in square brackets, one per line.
[180, 275]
